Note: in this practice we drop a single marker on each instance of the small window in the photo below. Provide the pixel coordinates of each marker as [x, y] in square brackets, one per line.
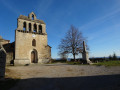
[33, 42]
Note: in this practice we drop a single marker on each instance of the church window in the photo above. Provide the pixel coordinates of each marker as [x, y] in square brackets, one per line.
[35, 28]
[29, 26]
[40, 28]
[33, 42]
[24, 26]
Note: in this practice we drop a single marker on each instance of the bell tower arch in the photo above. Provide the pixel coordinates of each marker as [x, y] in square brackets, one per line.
[32, 16]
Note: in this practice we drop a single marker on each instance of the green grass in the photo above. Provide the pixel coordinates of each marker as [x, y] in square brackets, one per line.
[108, 63]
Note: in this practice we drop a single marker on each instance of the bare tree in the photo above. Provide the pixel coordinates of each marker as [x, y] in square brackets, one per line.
[114, 57]
[63, 55]
[72, 42]
[110, 57]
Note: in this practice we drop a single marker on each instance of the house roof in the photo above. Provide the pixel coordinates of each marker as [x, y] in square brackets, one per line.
[1, 39]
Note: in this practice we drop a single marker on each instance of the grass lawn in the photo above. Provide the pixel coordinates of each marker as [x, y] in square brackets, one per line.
[108, 63]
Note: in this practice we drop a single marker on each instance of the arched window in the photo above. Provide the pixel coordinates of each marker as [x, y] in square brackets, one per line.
[33, 42]
[40, 28]
[32, 17]
[29, 26]
[24, 26]
[35, 28]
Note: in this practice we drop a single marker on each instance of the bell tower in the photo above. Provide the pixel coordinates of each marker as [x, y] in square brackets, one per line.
[31, 24]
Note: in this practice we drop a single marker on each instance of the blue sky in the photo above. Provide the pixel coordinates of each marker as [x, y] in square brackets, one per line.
[98, 20]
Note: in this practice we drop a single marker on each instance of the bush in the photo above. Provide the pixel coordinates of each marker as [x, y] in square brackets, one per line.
[52, 61]
[58, 61]
[73, 63]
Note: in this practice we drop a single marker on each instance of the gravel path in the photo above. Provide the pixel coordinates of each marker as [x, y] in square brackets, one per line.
[66, 77]
[62, 70]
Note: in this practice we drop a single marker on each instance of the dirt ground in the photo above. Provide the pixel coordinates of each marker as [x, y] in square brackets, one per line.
[65, 77]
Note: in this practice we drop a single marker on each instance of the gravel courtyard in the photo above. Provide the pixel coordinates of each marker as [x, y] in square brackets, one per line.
[65, 77]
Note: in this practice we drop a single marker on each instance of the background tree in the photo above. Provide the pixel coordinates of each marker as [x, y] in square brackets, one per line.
[104, 58]
[63, 55]
[114, 57]
[72, 42]
[110, 57]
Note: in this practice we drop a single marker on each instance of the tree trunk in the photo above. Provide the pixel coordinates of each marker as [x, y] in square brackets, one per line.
[74, 57]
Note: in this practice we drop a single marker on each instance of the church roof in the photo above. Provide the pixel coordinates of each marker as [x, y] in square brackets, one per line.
[9, 47]
[1, 39]
[49, 46]
[26, 18]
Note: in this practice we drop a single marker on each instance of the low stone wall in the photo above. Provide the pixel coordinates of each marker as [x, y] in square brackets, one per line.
[9, 58]
[43, 61]
[21, 62]
[25, 62]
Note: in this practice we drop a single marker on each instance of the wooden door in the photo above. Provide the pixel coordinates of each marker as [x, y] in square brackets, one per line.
[33, 57]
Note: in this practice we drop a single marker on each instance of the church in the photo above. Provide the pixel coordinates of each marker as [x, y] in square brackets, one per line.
[30, 44]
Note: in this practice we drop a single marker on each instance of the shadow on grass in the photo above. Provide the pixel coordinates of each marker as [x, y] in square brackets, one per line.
[104, 82]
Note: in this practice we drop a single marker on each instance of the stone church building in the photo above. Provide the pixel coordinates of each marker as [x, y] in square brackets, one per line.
[30, 44]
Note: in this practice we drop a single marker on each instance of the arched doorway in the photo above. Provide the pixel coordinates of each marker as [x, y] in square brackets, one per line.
[34, 58]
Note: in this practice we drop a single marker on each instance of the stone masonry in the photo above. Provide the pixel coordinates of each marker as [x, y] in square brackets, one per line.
[31, 41]
[85, 55]
[2, 61]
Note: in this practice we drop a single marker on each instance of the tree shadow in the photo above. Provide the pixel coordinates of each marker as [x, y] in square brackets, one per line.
[104, 82]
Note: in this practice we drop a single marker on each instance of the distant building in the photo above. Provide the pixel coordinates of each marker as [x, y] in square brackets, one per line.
[30, 44]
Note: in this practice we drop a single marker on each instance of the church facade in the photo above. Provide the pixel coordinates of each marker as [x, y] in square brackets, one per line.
[30, 44]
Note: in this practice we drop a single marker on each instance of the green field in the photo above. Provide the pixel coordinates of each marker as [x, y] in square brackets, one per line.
[105, 63]
[108, 63]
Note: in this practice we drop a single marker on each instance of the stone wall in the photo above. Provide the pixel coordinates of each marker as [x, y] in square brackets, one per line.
[23, 47]
[9, 48]
[9, 58]
[2, 63]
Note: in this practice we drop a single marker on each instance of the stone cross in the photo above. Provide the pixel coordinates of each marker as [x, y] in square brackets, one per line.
[85, 55]
[84, 47]
[2, 62]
